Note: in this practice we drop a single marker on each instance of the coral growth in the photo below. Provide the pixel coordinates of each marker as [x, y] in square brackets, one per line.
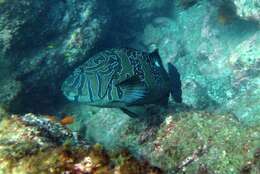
[25, 147]
[186, 140]
[248, 10]
[216, 141]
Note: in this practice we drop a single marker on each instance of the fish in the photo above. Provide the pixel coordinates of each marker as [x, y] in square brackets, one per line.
[124, 78]
[65, 120]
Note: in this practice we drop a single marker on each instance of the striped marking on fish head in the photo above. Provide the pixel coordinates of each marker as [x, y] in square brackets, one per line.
[71, 84]
[94, 81]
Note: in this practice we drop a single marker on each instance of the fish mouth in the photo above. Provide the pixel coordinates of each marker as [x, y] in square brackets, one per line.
[70, 96]
[68, 92]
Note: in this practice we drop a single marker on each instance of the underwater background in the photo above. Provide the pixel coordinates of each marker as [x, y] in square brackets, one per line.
[214, 44]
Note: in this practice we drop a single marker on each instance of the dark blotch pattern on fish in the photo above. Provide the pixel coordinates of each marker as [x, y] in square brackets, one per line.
[134, 58]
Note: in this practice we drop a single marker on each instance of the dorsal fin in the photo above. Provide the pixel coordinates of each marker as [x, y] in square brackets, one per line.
[155, 53]
[156, 57]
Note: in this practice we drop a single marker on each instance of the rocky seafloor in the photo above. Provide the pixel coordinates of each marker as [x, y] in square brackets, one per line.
[215, 46]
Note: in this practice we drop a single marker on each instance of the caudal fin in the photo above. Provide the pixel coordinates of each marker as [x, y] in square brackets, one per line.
[175, 82]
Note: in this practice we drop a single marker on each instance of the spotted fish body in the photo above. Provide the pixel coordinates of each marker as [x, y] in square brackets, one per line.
[122, 78]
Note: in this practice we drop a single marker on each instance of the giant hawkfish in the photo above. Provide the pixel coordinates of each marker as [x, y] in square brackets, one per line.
[124, 78]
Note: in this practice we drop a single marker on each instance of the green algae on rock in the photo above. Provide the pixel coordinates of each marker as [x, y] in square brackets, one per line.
[214, 51]
[219, 142]
[29, 149]
[41, 41]
[229, 145]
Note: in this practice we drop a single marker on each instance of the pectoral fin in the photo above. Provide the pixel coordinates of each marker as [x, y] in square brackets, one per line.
[133, 90]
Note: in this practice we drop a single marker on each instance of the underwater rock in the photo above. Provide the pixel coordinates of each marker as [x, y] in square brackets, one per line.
[26, 147]
[206, 139]
[141, 10]
[17, 140]
[55, 131]
[9, 90]
[43, 40]
[196, 98]
[17, 19]
[249, 10]
[190, 40]
[208, 143]
[201, 40]
[47, 128]
[244, 62]
[10, 24]
[108, 129]
[9, 86]
[245, 105]
[131, 16]
[146, 9]
[3, 113]
[185, 4]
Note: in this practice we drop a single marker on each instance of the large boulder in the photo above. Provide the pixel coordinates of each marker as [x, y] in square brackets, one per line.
[130, 16]
[37, 144]
[41, 42]
[186, 140]
[244, 63]
[248, 10]
[201, 41]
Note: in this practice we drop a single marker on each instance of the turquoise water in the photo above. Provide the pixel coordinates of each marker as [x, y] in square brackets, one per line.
[202, 116]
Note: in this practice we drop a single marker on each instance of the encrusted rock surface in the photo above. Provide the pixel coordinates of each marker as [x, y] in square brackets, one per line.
[215, 52]
[37, 144]
[249, 10]
[129, 18]
[244, 63]
[214, 45]
[41, 41]
[186, 140]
